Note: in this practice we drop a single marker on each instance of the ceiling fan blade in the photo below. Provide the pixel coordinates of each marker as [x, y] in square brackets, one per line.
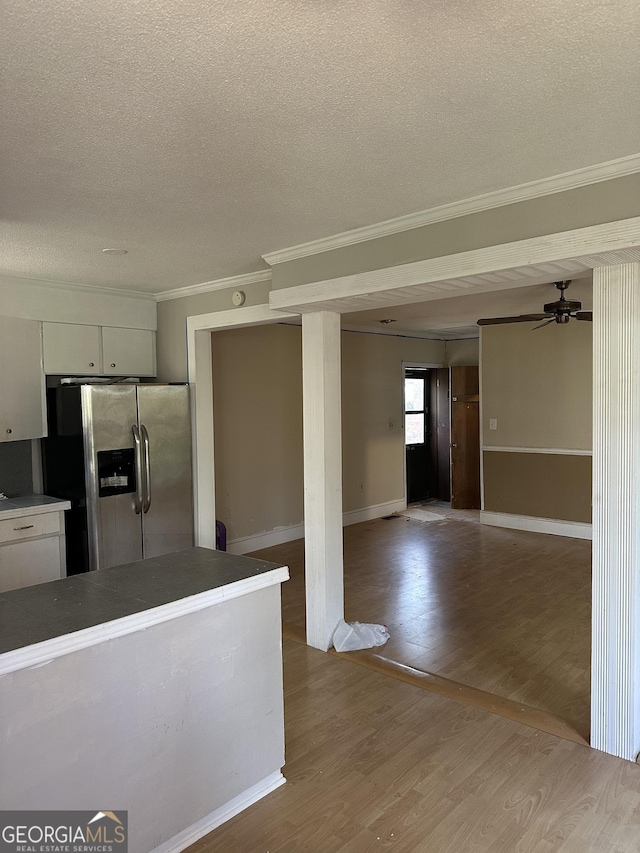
[584, 315]
[523, 318]
[546, 323]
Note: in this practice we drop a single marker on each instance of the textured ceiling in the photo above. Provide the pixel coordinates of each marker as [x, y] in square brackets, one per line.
[200, 136]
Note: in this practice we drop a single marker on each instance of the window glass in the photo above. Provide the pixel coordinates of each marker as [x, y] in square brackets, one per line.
[414, 429]
[414, 395]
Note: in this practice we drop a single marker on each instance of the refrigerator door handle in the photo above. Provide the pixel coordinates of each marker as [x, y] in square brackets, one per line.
[137, 504]
[147, 466]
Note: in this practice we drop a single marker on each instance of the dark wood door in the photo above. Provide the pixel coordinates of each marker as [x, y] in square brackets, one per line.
[465, 438]
[440, 482]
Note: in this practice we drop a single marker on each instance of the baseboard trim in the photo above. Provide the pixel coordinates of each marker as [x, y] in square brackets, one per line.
[355, 516]
[224, 813]
[556, 527]
[258, 541]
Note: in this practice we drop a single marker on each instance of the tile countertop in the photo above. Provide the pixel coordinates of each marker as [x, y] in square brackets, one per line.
[50, 619]
[31, 505]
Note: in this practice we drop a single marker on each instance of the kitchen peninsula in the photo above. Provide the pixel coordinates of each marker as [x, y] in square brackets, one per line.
[154, 687]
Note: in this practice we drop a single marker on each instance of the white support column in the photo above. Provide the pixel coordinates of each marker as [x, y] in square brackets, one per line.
[615, 692]
[322, 475]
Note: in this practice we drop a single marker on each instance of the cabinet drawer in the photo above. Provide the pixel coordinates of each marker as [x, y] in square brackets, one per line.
[15, 529]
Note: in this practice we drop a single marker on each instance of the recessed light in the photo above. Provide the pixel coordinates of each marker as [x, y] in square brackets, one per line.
[114, 251]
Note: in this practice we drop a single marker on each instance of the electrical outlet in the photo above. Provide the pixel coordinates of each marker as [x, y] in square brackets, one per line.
[493, 423]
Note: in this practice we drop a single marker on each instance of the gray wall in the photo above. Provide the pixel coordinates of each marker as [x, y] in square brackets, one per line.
[16, 477]
[172, 324]
[257, 388]
[537, 386]
[462, 353]
[606, 201]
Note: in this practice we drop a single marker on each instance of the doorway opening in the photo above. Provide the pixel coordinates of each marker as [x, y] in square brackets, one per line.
[427, 433]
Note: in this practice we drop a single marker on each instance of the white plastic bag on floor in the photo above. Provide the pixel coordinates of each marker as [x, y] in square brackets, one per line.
[350, 636]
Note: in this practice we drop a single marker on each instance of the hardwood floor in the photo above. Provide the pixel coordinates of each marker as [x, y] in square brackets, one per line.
[373, 763]
[503, 611]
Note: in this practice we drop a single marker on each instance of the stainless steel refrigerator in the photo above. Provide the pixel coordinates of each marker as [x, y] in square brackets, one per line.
[122, 455]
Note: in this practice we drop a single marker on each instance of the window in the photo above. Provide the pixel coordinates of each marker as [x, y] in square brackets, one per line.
[415, 409]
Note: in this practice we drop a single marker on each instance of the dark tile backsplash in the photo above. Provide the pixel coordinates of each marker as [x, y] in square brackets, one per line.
[16, 476]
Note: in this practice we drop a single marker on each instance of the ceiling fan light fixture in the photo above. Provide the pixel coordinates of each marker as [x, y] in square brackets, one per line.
[560, 311]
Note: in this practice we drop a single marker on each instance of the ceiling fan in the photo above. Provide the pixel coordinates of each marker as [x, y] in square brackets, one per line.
[560, 311]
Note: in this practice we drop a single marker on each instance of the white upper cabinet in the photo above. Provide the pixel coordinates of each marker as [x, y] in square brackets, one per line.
[22, 413]
[128, 351]
[71, 349]
[76, 350]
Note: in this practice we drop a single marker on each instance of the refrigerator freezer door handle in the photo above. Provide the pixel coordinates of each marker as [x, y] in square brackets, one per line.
[147, 467]
[139, 472]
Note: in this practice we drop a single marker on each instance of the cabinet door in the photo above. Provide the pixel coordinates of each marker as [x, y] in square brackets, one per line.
[128, 352]
[71, 349]
[28, 563]
[22, 413]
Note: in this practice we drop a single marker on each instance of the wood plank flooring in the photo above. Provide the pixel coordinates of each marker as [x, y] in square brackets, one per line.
[374, 764]
[503, 611]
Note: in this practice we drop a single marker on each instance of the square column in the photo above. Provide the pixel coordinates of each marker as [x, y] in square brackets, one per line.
[615, 691]
[322, 422]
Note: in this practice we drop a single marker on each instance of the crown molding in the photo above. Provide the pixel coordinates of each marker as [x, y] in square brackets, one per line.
[236, 281]
[499, 198]
[76, 287]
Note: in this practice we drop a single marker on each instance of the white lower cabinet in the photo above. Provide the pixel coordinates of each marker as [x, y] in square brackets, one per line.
[28, 563]
[32, 546]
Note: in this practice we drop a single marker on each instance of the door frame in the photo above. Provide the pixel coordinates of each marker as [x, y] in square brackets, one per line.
[200, 375]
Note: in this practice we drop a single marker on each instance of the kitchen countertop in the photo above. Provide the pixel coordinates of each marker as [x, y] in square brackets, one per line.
[31, 505]
[44, 621]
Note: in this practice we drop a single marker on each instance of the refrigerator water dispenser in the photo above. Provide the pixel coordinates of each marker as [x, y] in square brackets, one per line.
[116, 472]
